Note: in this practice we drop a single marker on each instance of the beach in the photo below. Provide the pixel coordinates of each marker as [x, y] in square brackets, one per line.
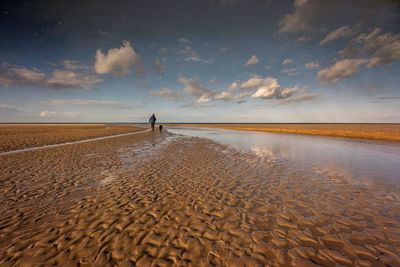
[163, 199]
[376, 131]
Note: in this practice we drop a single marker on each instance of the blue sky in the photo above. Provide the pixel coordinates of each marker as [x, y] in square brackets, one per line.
[200, 61]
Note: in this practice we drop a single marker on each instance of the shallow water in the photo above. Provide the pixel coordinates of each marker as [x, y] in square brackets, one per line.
[353, 159]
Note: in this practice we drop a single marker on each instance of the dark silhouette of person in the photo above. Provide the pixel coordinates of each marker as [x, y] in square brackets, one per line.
[152, 121]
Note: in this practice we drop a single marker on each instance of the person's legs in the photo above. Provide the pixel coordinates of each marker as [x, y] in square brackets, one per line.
[152, 127]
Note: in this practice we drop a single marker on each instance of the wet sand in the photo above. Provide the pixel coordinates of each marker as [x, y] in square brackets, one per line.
[160, 199]
[20, 136]
[377, 131]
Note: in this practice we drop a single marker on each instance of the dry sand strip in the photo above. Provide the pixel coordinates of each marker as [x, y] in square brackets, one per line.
[71, 143]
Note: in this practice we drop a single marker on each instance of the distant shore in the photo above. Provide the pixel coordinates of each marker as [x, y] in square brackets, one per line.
[376, 131]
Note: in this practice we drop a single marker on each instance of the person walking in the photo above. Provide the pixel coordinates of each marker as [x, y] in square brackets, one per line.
[152, 121]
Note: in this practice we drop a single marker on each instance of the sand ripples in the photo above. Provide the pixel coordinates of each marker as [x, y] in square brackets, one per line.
[159, 200]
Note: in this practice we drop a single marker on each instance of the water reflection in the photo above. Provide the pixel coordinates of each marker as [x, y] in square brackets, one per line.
[350, 158]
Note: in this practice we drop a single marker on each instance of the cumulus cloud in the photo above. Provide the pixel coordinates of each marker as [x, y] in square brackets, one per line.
[252, 61]
[287, 61]
[341, 32]
[340, 70]
[266, 88]
[192, 87]
[167, 94]
[19, 75]
[312, 65]
[270, 89]
[117, 61]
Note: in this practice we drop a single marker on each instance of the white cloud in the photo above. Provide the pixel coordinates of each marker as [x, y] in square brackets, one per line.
[167, 94]
[70, 79]
[341, 69]
[287, 61]
[297, 99]
[312, 65]
[253, 82]
[344, 31]
[13, 74]
[67, 114]
[252, 61]
[117, 61]
[193, 88]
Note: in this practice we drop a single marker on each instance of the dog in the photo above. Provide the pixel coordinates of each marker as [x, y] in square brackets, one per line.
[160, 128]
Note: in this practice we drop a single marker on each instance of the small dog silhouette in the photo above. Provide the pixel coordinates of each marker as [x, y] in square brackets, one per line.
[160, 128]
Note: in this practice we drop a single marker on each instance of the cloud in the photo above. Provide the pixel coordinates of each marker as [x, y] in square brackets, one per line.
[312, 65]
[19, 75]
[167, 94]
[287, 61]
[380, 48]
[303, 39]
[158, 66]
[290, 71]
[252, 61]
[86, 102]
[193, 88]
[272, 90]
[297, 99]
[184, 40]
[299, 19]
[266, 88]
[308, 14]
[69, 79]
[340, 70]
[13, 74]
[344, 31]
[253, 82]
[189, 54]
[48, 114]
[117, 61]
[73, 65]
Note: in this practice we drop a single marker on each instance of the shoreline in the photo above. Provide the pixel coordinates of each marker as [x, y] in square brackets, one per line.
[386, 132]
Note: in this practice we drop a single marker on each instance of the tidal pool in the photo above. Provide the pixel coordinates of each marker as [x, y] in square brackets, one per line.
[354, 159]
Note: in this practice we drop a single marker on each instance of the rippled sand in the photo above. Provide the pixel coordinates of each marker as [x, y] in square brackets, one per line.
[378, 131]
[161, 199]
[20, 136]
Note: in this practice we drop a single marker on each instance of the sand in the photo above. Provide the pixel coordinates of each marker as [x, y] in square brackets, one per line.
[160, 199]
[377, 131]
[20, 136]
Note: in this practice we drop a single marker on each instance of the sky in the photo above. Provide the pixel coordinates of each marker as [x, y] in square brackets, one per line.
[200, 61]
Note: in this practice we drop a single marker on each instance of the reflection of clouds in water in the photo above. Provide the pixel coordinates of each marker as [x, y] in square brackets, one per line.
[263, 152]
